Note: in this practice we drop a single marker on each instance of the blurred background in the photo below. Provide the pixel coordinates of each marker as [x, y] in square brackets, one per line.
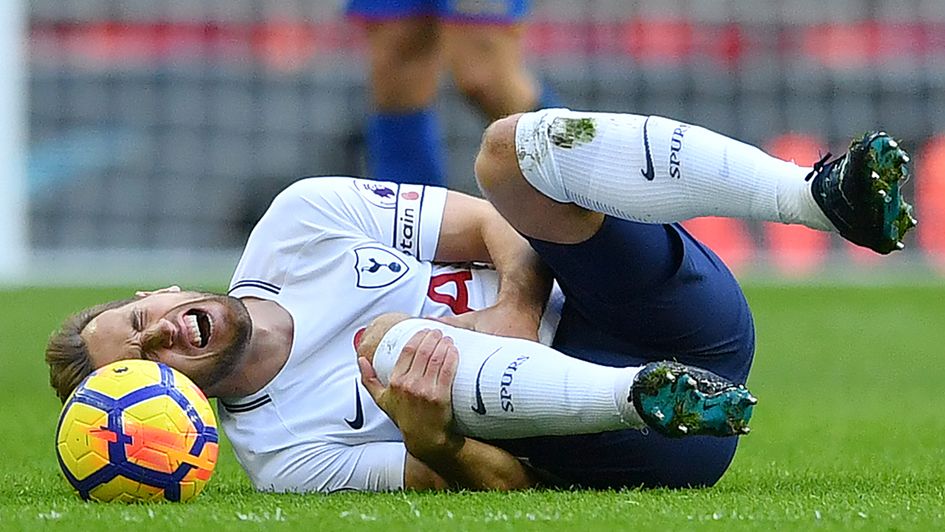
[144, 138]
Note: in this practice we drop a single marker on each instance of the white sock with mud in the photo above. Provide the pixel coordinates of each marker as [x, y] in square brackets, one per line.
[514, 388]
[657, 170]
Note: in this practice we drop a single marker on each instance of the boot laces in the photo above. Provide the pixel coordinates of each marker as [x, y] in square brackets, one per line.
[819, 166]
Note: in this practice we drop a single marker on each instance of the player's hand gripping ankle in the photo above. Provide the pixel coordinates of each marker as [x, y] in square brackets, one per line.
[418, 396]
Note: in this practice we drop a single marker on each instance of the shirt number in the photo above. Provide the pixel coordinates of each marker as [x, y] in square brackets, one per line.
[458, 303]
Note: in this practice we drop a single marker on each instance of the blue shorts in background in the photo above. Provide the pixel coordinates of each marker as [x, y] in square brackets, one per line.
[469, 11]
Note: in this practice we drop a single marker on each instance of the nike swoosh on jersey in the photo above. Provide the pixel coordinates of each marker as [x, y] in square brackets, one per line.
[648, 173]
[358, 420]
[480, 407]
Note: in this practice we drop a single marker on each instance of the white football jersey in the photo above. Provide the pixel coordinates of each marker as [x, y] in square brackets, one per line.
[336, 252]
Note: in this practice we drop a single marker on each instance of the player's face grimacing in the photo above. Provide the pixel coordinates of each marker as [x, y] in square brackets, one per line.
[202, 335]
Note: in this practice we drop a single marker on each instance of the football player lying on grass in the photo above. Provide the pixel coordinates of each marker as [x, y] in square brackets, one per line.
[586, 257]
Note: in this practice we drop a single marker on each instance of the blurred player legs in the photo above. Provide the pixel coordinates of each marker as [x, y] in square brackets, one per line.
[410, 43]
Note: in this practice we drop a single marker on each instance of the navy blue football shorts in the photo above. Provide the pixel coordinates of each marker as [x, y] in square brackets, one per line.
[637, 293]
[478, 12]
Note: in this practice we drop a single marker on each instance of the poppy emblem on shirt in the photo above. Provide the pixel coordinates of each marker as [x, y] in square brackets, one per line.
[377, 267]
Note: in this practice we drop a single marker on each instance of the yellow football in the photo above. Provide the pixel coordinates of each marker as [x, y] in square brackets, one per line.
[135, 431]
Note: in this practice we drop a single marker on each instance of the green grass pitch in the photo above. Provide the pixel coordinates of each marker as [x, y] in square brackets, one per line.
[849, 433]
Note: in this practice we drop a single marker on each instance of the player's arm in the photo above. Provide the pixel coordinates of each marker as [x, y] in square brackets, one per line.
[472, 230]
[417, 399]
[463, 229]
[476, 465]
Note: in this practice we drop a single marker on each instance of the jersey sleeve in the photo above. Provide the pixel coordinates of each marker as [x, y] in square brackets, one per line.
[403, 216]
[320, 210]
[330, 467]
[325, 209]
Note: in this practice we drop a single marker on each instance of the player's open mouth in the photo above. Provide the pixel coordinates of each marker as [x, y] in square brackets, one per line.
[199, 327]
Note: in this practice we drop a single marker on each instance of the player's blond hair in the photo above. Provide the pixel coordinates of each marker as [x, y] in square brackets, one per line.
[66, 352]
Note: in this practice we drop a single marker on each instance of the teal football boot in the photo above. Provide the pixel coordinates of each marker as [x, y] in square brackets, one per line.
[678, 400]
[860, 192]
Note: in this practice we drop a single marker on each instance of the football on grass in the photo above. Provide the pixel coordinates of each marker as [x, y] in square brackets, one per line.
[136, 431]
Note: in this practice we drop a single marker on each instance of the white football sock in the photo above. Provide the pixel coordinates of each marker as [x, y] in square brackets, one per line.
[514, 388]
[599, 161]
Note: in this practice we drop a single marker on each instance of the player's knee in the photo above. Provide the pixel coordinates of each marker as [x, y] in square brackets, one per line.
[366, 342]
[497, 163]
[475, 84]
